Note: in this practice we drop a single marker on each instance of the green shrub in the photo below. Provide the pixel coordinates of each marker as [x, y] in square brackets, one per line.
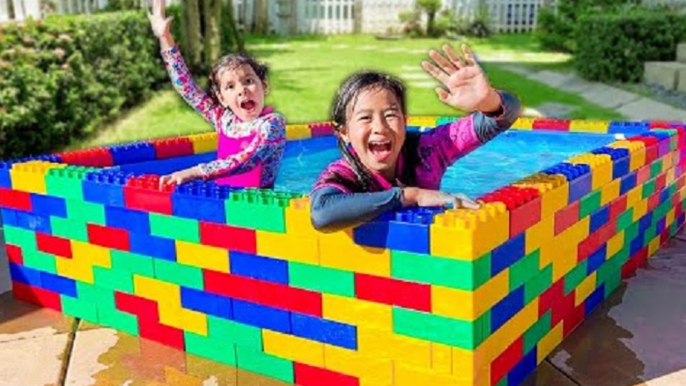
[614, 46]
[64, 75]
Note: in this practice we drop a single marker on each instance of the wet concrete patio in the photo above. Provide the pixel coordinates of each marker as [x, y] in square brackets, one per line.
[635, 338]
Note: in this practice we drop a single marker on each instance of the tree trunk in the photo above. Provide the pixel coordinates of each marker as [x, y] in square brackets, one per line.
[235, 34]
[212, 38]
[191, 27]
[261, 17]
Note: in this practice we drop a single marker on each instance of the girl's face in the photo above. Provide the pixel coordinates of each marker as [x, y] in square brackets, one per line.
[375, 128]
[242, 91]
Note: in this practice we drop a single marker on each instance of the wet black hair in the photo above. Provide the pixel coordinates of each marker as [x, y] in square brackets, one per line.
[345, 99]
[231, 61]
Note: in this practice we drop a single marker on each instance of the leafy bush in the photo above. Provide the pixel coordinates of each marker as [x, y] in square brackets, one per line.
[614, 46]
[64, 75]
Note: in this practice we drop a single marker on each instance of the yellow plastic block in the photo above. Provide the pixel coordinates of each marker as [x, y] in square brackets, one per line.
[539, 234]
[585, 289]
[469, 305]
[289, 247]
[441, 358]
[174, 315]
[575, 233]
[357, 312]
[298, 220]
[298, 132]
[293, 348]
[91, 254]
[614, 245]
[640, 209]
[153, 289]
[75, 269]
[408, 375]
[564, 263]
[422, 121]
[653, 245]
[601, 167]
[385, 344]
[667, 161]
[610, 192]
[523, 123]
[203, 143]
[338, 250]
[549, 342]
[554, 191]
[469, 234]
[202, 256]
[370, 370]
[670, 176]
[637, 152]
[589, 126]
[30, 176]
[634, 196]
[669, 218]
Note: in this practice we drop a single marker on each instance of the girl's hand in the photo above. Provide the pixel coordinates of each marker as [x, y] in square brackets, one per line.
[159, 23]
[468, 87]
[432, 198]
[180, 177]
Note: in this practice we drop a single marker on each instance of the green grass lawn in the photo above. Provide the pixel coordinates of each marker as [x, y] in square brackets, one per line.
[306, 71]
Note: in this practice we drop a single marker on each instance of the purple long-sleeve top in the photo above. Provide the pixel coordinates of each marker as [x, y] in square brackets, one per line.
[339, 200]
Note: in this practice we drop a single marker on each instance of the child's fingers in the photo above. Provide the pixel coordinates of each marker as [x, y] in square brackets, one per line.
[442, 94]
[468, 54]
[437, 73]
[454, 57]
[446, 66]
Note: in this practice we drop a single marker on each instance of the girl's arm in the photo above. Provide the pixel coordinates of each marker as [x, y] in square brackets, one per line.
[270, 138]
[183, 82]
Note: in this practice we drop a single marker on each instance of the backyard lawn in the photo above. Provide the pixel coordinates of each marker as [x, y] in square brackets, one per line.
[306, 71]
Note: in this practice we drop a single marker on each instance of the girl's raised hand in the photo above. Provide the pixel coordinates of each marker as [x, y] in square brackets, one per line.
[467, 85]
[158, 21]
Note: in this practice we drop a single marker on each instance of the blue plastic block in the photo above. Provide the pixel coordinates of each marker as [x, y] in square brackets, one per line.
[258, 267]
[372, 234]
[61, 285]
[645, 222]
[620, 160]
[579, 177]
[199, 200]
[33, 222]
[48, 205]
[627, 183]
[262, 316]
[627, 127]
[523, 368]
[410, 230]
[132, 152]
[167, 165]
[596, 259]
[148, 245]
[22, 274]
[636, 245]
[132, 220]
[207, 303]
[105, 187]
[5, 179]
[9, 217]
[325, 331]
[664, 195]
[506, 308]
[599, 218]
[507, 253]
[660, 226]
[594, 299]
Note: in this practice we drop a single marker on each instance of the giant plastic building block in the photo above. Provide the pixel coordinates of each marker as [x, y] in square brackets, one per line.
[419, 297]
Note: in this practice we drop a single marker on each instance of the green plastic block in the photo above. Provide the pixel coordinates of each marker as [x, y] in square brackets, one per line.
[175, 228]
[180, 274]
[109, 315]
[649, 235]
[86, 212]
[502, 382]
[210, 348]
[453, 273]
[536, 332]
[441, 329]
[648, 189]
[66, 182]
[525, 269]
[589, 203]
[321, 279]
[69, 229]
[233, 333]
[443, 120]
[625, 219]
[631, 232]
[23, 238]
[82, 309]
[575, 276]
[265, 364]
[673, 229]
[39, 261]
[613, 282]
[538, 284]
[258, 209]
[113, 279]
[672, 189]
[655, 168]
[133, 263]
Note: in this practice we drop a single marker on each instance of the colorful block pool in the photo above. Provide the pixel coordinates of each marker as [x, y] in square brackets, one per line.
[419, 297]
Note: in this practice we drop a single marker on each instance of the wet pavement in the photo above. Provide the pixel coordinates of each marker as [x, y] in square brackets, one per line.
[635, 338]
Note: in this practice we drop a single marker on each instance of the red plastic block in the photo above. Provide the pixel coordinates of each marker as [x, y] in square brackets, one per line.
[596, 240]
[228, 237]
[88, 157]
[659, 125]
[664, 236]
[566, 217]
[38, 296]
[507, 360]
[108, 237]
[551, 296]
[573, 320]
[15, 199]
[172, 147]
[144, 193]
[14, 254]
[145, 309]
[265, 293]
[562, 308]
[53, 245]
[638, 259]
[617, 207]
[550, 124]
[642, 175]
[660, 182]
[166, 335]
[313, 376]
[525, 216]
[395, 292]
[653, 200]
[321, 129]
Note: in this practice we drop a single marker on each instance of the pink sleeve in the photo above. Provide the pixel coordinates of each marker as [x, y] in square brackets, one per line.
[451, 141]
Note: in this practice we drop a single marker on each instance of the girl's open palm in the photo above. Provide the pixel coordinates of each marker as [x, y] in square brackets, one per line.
[466, 83]
[158, 21]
